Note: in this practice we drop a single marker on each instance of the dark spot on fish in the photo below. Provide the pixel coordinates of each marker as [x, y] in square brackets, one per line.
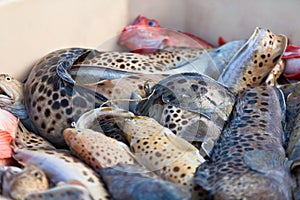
[168, 118]
[58, 116]
[201, 82]
[194, 87]
[176, 169]
[251, 94]
[56, 105]
[264, 94]
[49, 92]
[158, 154]
[69, 111]
[63, 93]
[55, 96]
[47, 112]
[263, 56]
[44, 78]
[260, 64]
[244, 78]
[33, 88]
[203, 90]
[248, 110]
[253, 101]
[264, 110]
[245, 118]
[41, 88]
[172, 125]
[69, 90]
[264, 103]
[181, 81]
[64, 103]
[255, 61]
[254, 79]
[40, 98]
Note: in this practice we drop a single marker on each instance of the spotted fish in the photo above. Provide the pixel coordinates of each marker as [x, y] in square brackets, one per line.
[60, 166]
[254, 61]
[192, 105]
[135, 183]
[19, 184]
[29, 140]
[248, 161]
[11, 96]
[155, 147]
[293, 133]
[96, 149]
[62, 192]
[55, 91]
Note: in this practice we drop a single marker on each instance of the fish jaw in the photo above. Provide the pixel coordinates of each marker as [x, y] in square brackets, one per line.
[10, 89]
[254, 61]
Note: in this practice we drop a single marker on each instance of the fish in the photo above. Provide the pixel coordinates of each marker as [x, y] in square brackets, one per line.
[248, 160]
[8, 127]
[7, 169]
[293, 135]
[61, 166]
[62, 192]
[134, 182]
[292, 62]
[146, 35]
[58, 88]
[195, 107]
[96, 149]
[29, 140]
[29, 180]
[154, 146]
[11, 96]
[254, 61]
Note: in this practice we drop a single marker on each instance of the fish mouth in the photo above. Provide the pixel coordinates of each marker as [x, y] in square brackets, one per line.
[4, 94]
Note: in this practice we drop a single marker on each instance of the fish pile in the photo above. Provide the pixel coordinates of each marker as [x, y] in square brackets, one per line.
[174, 118]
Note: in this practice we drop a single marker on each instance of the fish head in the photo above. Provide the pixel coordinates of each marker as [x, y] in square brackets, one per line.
[10, 89]
[267, 54]
[144, 21]
[73, 137]
[31, 179]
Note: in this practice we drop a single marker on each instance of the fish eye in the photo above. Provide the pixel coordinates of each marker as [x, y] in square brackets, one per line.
[151, 23]
[36, 175]
[8, 78]
[73, 124]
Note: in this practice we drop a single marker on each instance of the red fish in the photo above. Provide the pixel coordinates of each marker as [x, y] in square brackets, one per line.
[146, 35]
[8, 128]
[292, 62]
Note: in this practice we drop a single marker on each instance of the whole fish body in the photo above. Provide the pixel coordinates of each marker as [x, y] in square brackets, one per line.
[193, 106]
[154, 146]
[293, 134]
[135, 183]
[254, 61]
[60, 166]
[249, 161]
[145, 35]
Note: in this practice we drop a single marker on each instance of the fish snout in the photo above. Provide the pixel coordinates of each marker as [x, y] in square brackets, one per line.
[69, 134]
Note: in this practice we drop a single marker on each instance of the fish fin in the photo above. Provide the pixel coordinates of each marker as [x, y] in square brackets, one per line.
[5, 149]
[76, 182]
[265, 161]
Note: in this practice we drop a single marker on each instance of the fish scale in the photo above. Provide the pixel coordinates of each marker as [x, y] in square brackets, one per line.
[250, 151]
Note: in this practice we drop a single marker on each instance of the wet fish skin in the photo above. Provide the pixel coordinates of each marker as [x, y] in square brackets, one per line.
[60, 166]
[134, 182]
[249, 159]
[62, 192]
[192, 105]
[254, 61]
[154, 146]
[293, 134]
[97, 149]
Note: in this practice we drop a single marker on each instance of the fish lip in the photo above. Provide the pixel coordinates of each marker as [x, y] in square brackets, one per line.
[5, 94]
